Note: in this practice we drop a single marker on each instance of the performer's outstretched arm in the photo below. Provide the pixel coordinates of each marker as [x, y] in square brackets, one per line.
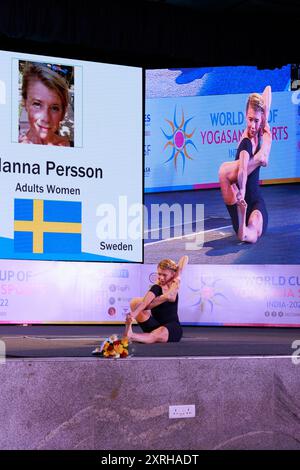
[267, 96]
[160, 299]
[262, 157]
[182, 264]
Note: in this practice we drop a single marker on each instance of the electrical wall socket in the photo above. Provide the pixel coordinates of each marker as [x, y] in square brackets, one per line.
[182, 411]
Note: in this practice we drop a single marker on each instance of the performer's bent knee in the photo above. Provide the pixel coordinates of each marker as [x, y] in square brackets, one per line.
[143, 316]
[160, 335]
[222, 173]
[135, 302]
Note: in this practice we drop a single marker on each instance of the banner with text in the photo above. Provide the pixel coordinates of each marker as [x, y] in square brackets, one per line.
[188, 138]
[57, 292]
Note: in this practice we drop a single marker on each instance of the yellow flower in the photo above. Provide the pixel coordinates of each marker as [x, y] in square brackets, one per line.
[124, 341]
[114, 346]
[118, 348]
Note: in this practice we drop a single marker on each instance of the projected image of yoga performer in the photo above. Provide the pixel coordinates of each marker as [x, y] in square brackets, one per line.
[157, 312]
[239, 180]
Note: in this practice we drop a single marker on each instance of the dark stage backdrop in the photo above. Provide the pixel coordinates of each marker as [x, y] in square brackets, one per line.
[156, 34]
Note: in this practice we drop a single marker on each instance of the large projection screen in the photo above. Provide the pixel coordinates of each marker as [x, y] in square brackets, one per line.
[195, 119]
[71, 164]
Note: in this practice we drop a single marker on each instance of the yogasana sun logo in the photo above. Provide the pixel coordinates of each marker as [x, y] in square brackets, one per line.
[179, 139]
[207, 296]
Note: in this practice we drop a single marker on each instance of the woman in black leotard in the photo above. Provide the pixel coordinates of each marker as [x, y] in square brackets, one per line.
[239, 180]
[253, 200]
[156, 313]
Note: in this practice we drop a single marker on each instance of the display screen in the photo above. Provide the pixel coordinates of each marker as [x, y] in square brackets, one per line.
[195, 118]
[201, 114]
[198, 122]
[71, 164]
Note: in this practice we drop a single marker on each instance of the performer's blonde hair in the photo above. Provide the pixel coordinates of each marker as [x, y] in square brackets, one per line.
[256, 102]
[167, 264]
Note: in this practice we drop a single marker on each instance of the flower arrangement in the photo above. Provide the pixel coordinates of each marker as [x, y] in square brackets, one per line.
[114, 346]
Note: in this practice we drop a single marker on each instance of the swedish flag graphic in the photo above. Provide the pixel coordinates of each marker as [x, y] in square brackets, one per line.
[47, 226]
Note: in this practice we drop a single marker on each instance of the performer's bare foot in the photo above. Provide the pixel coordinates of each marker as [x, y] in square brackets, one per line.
[242, 205]
[249, 233]
[128, 329]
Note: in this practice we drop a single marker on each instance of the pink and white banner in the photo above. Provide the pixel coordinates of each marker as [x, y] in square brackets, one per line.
[58, 292]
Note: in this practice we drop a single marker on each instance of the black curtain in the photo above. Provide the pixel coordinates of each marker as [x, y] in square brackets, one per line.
[155, 34]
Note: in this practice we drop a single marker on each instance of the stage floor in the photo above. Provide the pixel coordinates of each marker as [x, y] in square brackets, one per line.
[38, 341]
[220, 244]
